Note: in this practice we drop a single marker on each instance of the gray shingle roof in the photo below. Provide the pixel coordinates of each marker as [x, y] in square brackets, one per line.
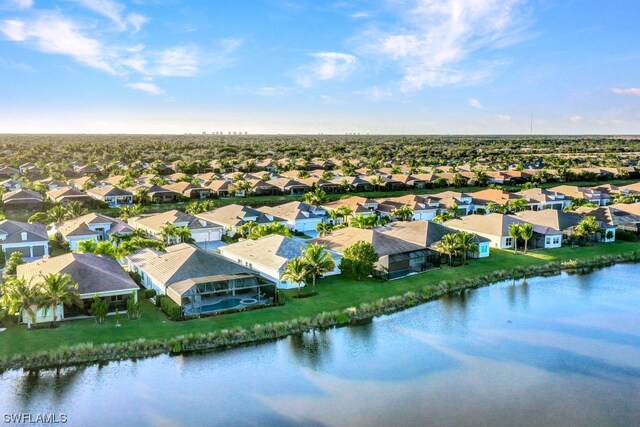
[13, 229]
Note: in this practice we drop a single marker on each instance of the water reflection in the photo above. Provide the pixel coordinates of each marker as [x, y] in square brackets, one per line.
[534, 350]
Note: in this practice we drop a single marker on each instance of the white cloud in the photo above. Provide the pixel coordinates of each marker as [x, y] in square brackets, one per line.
[436, 45]
[55, 34]
[502, 118]
[575, 119]
[475, 103]
[115, 12]
[20, 4]
[634, 91]
[176, 62]
[273, 90]
[361, 15]
[146, 87]
[328, 66]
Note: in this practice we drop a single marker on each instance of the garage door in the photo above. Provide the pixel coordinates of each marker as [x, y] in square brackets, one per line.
[38, 251]
[25, 251]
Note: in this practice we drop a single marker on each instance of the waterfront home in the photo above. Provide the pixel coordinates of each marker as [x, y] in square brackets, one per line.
[269, 255]
[542, 198]
[188, 190]
[31, 240]
[398, 256]
[22, 200]
[111, 195]
[95, 275]
[299, 216]
[66, 195]
[91, 226]
[566, 222]
[495, 227]
[429, 234]
[200, 281]
[232, 217]
[202, 230]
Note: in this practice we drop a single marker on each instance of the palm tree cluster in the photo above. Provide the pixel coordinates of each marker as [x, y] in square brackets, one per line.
[460, 243]
[522, 231]
[59, 213]
[200, 206]
[171, 233]
[52, 291]
[314, 262]
[587, 228]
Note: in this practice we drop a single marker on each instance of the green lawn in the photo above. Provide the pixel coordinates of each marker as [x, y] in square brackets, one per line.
[335, 293]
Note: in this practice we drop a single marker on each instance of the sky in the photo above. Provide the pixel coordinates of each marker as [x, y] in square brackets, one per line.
[312, 66]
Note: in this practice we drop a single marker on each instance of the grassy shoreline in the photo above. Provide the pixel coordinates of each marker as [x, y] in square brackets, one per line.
[340, 301]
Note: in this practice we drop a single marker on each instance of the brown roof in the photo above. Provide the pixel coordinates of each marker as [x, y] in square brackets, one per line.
[383, 244]
[93, 273]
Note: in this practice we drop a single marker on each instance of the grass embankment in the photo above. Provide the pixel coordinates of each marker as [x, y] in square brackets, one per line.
[335, 294]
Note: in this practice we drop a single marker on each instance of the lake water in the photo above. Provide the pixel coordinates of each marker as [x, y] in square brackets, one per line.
[563, 350]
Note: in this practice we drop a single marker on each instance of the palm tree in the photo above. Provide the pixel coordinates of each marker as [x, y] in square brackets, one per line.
[142, 196]
[87, 246]
[587, 227]
[20, 297]
[449, 246]
[345, 212]
[453, 209]
[245, 229]
[323, 229]
[334, 215]
[377, 181]
[515, 231]
[481, 178]
[75, 210]
[57, 214]
[318, 261]
[361, 221]
[466, 243]
[316, 197]
[127, 212]
[526, 232]
[403, 213]
[56, 290]
[296, 272]
[184, 235]
[168, 231]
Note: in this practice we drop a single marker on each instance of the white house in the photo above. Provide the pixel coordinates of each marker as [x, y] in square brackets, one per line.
[202, 231]
[29, 239]
[299, 216]
[270, 256]
[90, 227]
[113, 196]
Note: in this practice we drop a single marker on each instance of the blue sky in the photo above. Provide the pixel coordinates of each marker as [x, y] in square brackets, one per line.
[285, 66]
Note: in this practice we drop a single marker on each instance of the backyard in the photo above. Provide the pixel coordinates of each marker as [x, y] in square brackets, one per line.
[335, 293]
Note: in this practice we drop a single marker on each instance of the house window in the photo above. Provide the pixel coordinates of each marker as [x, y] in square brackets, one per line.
[115, 298]
[508, 241]
[483, 249]
[556, 240]
[548, 240]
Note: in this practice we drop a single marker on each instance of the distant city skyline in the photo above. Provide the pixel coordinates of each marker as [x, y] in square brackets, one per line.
[307, 67]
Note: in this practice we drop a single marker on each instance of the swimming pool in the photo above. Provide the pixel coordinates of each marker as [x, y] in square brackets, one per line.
[225, 304]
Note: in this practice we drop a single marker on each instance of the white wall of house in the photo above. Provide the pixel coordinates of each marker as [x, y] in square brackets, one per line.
[306, 224]
[204, 235]
[552, 241]
[426, 215]
[43, 246]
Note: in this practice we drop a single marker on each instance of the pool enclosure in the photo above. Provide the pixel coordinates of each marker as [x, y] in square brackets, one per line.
[205, 295]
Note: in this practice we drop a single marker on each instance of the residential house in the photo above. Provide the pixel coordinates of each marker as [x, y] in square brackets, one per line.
[592, 196]
[95, 275]
[8, 172]
[289, 186]
[299, 216]
[463, 202]
[555, 219]
[91, 226]
[482, 198]
[495, 227]
[358, 205]
[111, 195]
[156, 194]
[31, 240]
[66, 195]
[201, 282]
[82, 182]
[424, 208]
[22, 199]
[355, 183]
[11, 184]
[202, 231]
[429, 234]
[542, 198]
[220, 187]
[232, 217]
[398, 257]
[188, 190]
[270, 256]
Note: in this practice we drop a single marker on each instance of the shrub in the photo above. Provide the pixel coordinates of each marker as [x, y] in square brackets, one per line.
[626, 236]
[136, 277]
[149, 293]
[170, 308]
